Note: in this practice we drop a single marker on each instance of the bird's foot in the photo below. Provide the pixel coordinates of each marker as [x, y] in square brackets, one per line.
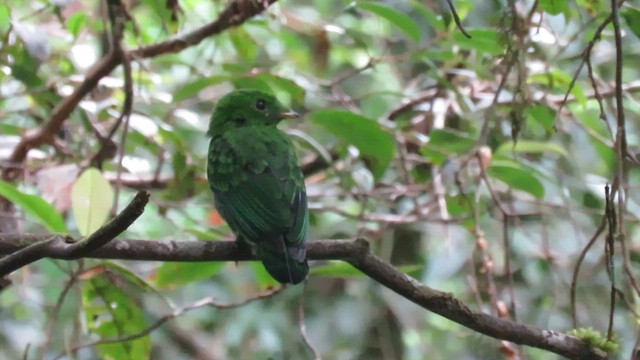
[243, 247]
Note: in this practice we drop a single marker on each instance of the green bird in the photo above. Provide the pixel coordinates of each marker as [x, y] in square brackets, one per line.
[256, 181]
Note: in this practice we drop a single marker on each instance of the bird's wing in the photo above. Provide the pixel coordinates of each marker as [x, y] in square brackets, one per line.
[265, 200]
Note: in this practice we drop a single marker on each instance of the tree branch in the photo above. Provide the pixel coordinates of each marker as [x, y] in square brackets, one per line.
[355, 252]
[28, 251]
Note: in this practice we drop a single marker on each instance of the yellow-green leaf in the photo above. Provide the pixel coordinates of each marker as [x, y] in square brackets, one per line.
[76, 23]
[91, 201]
[532, 147]
[5, 18]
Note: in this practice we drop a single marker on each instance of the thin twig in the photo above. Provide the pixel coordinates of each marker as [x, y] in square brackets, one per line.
[25, 355]
[303, 326]
[351, 73]
[118, 17]
[576, 270]
[507, 265]
[56, 311]
[428, 95]
[616, 223]
[609, 251]
[456, 18]
[586, 53]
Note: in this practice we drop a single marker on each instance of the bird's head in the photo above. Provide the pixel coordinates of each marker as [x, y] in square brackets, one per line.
[247, 107]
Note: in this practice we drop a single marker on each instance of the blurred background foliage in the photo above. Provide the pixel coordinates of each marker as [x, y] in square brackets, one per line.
[456, 158]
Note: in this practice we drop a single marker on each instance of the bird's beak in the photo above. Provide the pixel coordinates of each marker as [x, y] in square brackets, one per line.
[289, 115]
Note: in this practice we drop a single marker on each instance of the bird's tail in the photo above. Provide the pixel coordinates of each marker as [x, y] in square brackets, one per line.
[289, 267]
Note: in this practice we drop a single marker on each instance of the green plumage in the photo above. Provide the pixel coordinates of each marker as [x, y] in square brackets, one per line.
[258, 186]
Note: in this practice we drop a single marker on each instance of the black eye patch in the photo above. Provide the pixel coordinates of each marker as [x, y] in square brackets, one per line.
[261, 104]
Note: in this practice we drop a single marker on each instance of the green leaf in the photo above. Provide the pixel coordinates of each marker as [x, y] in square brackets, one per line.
[458, 205]
[76, 23]
[110, 312]
[183, 184]
[365, 134]
[559, 80]
[282, 86]
[175, 274]
[5, 18]
[160, 9]
[91, 201]
[517, 178]
[34, 206]
[398, 19]
[343, 269]
[542, 114]
[595, 6]
[25, 69]
[578, 92]
[253, 82]
[482, 40]
[434, 19]
[443, 143]
[553, 7]
[246, 47]
[192, 89]
[9, 129]
[337, 268]
[128, 275]
[207, 235]
[631, 16]
[535, 147]
[262, 276]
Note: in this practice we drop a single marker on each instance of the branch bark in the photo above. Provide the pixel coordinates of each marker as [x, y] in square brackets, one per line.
[355, 252]
[36, 250]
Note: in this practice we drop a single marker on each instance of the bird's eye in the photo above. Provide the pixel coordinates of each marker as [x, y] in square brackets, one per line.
[261, 105]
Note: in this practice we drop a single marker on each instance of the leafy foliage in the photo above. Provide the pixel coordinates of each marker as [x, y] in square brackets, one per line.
[595, 338]
[111, 313]
[458, 158]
